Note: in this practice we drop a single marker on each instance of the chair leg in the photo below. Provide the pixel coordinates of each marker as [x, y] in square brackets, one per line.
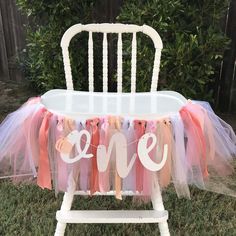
[66, 204]
[158, 205]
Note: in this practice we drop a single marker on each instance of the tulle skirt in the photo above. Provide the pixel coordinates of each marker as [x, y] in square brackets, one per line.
[201, 151]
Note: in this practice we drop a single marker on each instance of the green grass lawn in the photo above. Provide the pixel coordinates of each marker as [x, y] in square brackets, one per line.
[29, 210]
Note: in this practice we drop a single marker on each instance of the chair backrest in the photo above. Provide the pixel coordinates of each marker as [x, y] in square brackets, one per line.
[106, 28]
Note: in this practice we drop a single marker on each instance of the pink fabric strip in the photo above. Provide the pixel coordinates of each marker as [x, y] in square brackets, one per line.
[34, 137]
[114, 126]
[64, 127]
[118, 180]
[84, 167]
[104, 177]
[208, 132]
[193, 127]
[128, 130]
[147, 174]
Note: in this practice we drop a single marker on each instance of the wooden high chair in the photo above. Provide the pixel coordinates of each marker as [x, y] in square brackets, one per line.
[173, 103]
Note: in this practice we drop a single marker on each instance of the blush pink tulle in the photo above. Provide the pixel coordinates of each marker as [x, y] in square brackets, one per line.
[201, 151]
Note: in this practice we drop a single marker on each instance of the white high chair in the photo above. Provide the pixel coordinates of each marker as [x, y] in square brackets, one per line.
[91, 104]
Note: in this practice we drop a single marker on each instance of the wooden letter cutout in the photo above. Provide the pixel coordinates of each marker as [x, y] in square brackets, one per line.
[143, 151]
[103, 155]
[74, 138]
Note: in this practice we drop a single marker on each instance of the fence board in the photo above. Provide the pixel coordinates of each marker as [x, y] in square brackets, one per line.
[12, 40]
[4, 72]
[226, 86]
[110, 11]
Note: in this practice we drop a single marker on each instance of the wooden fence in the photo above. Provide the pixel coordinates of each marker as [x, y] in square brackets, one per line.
[12, 41]
[226, 84]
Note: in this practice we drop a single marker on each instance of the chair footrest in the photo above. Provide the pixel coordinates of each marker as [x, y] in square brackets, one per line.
[112, 216]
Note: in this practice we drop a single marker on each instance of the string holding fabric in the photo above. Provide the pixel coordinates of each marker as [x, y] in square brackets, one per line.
[96, 146]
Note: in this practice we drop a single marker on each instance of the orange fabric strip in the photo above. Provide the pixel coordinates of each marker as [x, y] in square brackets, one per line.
[92, 125]
[44, 175]
[114, 126]
[139, 126]
[166, 132]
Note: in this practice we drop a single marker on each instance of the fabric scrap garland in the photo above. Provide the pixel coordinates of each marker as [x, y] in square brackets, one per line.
[193, 146]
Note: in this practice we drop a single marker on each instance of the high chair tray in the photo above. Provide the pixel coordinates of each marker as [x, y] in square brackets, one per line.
[90, 104]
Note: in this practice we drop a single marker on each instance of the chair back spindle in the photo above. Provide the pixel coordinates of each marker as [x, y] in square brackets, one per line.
[119, 29]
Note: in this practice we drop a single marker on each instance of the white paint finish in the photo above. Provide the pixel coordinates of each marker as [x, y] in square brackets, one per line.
[53, 99]
[66, 204]
[158, 205]
[88, 105]
[67, 69]
[90, 62]
[112, 216]
[156, 68]
[111, 28]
